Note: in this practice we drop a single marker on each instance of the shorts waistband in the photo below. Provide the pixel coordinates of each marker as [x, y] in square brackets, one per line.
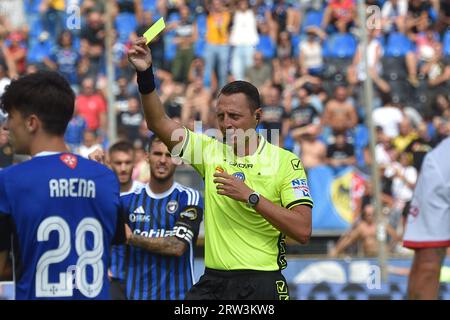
[237, 273]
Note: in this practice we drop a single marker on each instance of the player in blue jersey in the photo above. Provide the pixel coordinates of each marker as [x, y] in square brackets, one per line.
[164, 220]
[121, 160]
[59, 213]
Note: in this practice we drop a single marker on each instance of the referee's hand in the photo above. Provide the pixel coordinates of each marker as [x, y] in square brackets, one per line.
[231, 186]
[139, 55]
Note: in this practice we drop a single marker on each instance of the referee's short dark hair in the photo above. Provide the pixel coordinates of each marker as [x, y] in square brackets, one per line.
[122, 146]
[46, 94]
[250, 91]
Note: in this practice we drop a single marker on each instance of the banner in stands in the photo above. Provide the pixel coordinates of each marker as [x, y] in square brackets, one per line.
[335, 197]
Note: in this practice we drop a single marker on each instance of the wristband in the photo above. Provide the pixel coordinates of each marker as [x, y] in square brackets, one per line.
[146, 81]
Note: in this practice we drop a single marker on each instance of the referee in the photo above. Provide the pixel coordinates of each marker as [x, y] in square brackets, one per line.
[255, 192]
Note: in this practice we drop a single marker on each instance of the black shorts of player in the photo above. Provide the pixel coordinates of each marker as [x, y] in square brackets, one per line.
[117, 289]
[239, 285]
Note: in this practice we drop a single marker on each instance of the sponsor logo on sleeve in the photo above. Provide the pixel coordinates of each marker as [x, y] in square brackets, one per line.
[300, 188]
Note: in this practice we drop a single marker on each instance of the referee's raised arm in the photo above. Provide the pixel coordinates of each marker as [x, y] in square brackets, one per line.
[157, 120]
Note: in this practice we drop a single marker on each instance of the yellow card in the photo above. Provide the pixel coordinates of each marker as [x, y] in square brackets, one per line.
[154, 30]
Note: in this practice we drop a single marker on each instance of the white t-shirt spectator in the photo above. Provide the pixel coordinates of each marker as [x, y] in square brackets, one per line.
[312, 54]
[389, 10]
[382, 156]
[388, 118]
[243, 30]
[400, 189]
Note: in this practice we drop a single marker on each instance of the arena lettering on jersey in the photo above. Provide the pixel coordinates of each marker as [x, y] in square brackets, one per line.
[72, 188]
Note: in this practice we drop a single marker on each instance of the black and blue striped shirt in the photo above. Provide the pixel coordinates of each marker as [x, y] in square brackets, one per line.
[176, 212]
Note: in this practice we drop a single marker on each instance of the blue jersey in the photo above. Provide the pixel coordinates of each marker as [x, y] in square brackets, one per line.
[177, 212]
[117, 266]
[64, 213]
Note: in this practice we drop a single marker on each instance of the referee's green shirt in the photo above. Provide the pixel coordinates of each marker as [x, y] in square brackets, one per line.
[236, 236]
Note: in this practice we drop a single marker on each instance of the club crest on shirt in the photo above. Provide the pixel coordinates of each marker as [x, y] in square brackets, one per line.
[239, 175]
[172, 206]
[69, 160]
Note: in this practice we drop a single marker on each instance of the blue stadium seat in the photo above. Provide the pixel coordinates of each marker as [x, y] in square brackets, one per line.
[312, 18]
[341, 45]
[266, 46]
[446, 43]
[125, 24]
[149, 5]
[397, 45]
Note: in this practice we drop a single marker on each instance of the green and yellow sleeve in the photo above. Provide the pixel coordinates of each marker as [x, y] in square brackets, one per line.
[294, 184]
[192, 150]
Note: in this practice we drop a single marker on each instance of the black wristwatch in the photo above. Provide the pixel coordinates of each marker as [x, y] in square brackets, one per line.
[253, 199]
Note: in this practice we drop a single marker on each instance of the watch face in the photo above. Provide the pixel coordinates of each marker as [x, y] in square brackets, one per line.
[253, 199]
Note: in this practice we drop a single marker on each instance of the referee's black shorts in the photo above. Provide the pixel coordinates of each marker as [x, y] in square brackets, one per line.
[239, 285]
